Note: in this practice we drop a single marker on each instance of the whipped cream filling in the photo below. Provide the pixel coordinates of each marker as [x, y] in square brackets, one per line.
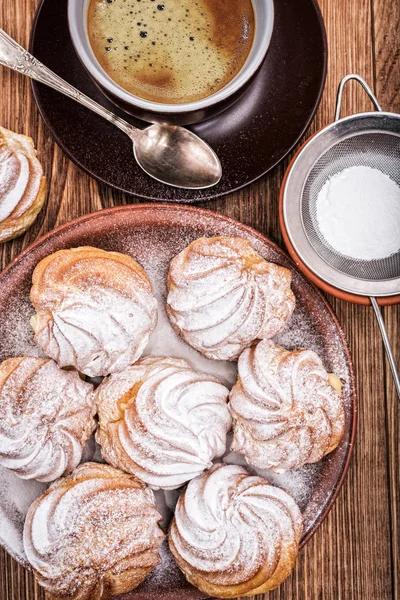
[46, 417]
[20, 176]
[162, 421]
[98, 522]
[223, 296]
[95, 310]
[285, 411]
[229, 525]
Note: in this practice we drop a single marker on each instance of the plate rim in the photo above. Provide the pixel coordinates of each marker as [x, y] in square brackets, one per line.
[35, 86]
[199, 212]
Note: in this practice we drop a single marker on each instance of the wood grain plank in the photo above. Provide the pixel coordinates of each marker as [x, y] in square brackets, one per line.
[386, 24]
[392, 319]
[349, 558]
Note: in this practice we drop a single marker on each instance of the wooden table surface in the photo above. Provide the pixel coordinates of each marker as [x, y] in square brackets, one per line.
[355, 554]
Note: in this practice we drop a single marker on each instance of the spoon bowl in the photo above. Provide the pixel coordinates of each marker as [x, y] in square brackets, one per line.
[176, 156]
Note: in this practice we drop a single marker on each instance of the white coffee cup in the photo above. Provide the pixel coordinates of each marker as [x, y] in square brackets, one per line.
[182, 114]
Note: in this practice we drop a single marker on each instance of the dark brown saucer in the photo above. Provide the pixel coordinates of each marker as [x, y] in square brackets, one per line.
[153, 234]
[250, 138]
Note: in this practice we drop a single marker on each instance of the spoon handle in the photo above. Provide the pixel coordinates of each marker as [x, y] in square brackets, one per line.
[15, 57]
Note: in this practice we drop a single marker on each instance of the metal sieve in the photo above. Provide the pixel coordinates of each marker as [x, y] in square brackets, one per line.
[369, 139]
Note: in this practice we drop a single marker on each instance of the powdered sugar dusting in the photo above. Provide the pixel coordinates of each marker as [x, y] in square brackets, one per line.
[20, 174]
[223, 296]
[33, 443]
[285, 411]
[177, 426]
[229, 524]
[165, 342]
[153, 237]
[301, 332]
[95, 310]
[16, 496]
[299, 483]
[16, 333]
[98, 517]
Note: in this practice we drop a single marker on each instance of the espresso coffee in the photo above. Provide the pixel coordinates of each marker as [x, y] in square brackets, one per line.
[171, 51]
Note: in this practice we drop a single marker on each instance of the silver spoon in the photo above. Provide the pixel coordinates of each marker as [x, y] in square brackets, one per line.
[170, 154]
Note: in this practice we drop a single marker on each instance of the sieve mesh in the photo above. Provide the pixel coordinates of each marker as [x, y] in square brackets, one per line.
[378, 150]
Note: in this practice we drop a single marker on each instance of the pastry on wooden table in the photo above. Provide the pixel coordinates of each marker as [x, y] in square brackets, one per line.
[162, 421]
[46, 417]
[287, 410]
[234, 534]
[22, 185]
[95, 309]
[223, 296]
[93, 535]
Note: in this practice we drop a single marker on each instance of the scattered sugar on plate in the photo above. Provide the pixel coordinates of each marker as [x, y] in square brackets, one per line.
[358, 213]
[16, 495]
[299, 483]
[16, 333]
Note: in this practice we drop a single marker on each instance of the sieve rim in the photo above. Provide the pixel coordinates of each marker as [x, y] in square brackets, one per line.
[296, 238]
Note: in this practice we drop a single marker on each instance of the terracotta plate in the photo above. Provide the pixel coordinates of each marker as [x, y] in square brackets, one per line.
[250, 138]
[153, 235]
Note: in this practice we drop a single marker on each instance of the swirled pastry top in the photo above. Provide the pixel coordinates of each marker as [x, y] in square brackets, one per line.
[162, 421]
[234, 534]
[223, 296]
[46, 417]
[22, 185]
[95, 309]
[287, 411]
[93, 534]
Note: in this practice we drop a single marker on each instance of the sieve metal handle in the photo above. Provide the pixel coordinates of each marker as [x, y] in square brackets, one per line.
[366, 87]
[386, 342]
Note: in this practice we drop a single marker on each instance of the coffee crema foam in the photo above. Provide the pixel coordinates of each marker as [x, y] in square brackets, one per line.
[171, 52]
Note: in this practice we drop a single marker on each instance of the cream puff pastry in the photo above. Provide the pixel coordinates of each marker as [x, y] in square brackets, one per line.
[234, 534]
[223, 296]
[95, 310]
[162, 421]
[22, 185]
[93, 535]
[46, 417]
[287, 410]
